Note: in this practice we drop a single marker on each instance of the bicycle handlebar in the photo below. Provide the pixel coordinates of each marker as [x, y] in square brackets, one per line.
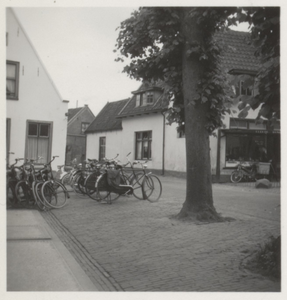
[51, 160]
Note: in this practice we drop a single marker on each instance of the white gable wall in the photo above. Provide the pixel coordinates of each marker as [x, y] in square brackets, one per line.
[113, 144]
[38, 98]
[153, 122]
[175, 159]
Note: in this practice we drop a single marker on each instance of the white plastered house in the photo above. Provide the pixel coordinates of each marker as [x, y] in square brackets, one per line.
[35, 111]
[138, 125]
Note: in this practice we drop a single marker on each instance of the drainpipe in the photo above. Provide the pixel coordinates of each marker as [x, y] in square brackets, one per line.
[163, 143]
[218, 156]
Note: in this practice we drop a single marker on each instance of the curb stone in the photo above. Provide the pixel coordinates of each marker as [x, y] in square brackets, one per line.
[95, 271]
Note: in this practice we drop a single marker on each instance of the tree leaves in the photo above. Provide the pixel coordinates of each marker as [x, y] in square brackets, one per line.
[152, 37]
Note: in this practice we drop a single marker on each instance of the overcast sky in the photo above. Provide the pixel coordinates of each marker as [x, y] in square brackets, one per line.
[76, 46]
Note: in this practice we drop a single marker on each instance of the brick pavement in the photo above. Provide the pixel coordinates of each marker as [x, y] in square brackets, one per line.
[135, 245]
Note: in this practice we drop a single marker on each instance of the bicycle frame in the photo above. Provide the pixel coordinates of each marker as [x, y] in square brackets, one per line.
[248, 172]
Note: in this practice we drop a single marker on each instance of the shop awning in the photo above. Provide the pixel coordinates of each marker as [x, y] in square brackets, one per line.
[248, 131]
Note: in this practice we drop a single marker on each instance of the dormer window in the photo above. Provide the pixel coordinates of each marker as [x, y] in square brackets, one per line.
[149, 97]
[145, 98]
[240, 90]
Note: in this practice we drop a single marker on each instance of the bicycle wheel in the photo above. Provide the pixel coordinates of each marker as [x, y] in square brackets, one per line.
[23, 193]
[75, 184]
[236, 176]
[151, 188]
[81, 184]
[90, 186]
[11, 198]
[42, 203]
[54, 194]
[73, 176]
[36, 188]
[104, 191]
[136, 182]
[65, 180]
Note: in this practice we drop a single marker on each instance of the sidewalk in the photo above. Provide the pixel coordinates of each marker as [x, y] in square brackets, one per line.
[36, 258]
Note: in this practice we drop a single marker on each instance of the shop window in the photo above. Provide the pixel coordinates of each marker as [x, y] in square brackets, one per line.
[143, 145]
[245, 147]
[12, 80]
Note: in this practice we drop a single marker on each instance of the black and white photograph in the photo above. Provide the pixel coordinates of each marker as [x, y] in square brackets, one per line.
[142, 149]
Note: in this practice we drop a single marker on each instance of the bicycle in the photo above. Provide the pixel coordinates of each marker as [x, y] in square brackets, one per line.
[53, 192]
[68, 177]
[13, 175]
[26, 190]
[114, 183]
[253, 172]
[91, 180]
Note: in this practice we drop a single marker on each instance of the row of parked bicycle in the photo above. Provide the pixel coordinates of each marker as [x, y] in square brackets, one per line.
[27, 186]
[109, 179]
[102, 181]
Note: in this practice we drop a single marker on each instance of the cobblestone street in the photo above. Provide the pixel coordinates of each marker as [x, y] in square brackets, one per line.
[134, 245]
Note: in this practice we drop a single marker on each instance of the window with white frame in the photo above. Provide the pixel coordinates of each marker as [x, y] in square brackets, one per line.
[143, 145]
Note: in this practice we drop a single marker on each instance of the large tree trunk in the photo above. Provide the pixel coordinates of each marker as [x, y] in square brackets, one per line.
[199, 201]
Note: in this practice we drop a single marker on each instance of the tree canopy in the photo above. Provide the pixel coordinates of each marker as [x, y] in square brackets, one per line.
[265, 37]
[152, 37]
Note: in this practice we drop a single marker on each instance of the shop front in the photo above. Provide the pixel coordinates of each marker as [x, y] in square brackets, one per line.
[247, 142]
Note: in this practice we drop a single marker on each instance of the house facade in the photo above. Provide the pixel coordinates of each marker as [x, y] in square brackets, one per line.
[142, 129]
[35, 111]
[79, 120]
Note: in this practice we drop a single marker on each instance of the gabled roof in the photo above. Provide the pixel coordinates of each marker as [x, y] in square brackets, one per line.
[238, 52]
[106, 119]
[11, 10]
[158, 105]
[73, 113]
